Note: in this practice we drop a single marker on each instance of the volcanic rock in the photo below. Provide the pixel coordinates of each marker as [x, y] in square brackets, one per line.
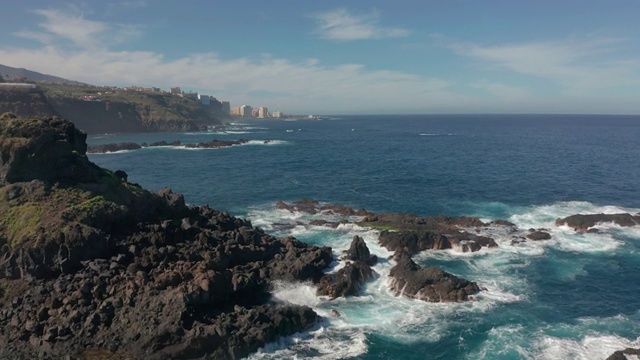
[358, 251]
[429, 284]
[537, 235]
[621, 354]
[583, 222]
[90, 261]
[113, 147]
[345, 282]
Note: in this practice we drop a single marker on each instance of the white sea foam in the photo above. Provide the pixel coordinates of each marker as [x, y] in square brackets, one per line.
[428, 134]
[381, 311]
[266, 142]
[563, 237]
[113, 152]
[587, 348]
[378, 309]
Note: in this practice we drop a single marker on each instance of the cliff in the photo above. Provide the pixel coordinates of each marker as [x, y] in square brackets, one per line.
[112, 110]
[93, 267]
[26, 103]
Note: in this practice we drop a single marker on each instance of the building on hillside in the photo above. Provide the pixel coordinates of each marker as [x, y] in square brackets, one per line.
[276, 114]
[245, 110]
[176, 90]
[226, 107]
[204, 99]
[263, 112]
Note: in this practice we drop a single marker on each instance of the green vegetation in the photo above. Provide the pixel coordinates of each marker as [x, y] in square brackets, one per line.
[22, 221]
[377, 226]
[91, 209]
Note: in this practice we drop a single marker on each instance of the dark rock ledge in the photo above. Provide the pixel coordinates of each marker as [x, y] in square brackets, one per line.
[585, 222]
[621, 354]
[94, 267]
[213, 144]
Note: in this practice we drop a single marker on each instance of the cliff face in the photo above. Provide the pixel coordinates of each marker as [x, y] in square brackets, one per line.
[91, 261]
[122, 112]
[26, 103]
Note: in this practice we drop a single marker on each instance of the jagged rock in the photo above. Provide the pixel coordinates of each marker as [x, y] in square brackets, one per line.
[345, 282]
[413, 241]
[583, 222]
[429, 284]
[358, 251]
[51, 150]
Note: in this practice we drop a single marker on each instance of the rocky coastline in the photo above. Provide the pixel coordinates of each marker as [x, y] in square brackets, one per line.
[122, 146]
[94, 267]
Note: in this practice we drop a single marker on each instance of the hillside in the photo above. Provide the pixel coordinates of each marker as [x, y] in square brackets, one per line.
[110, 110]
[104, 109]
[8, 72]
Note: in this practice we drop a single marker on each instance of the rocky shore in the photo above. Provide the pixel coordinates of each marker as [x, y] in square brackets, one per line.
[213, 144]
[92, 266]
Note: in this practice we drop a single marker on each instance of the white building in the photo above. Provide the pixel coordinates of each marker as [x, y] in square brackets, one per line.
[276, 114]
[245, 110]
[263, 112]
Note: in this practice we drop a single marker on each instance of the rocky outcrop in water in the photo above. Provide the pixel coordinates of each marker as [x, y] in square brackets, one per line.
[429, 284]
[213, 144]
[112, 147]
[621, 354]
[537, 235]
[358, 251]
[405, 234]
[584, 222]
[92, 266]
[349, 280]
[412, 234]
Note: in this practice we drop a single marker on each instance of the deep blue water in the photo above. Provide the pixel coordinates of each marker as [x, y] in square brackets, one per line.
[571, 297]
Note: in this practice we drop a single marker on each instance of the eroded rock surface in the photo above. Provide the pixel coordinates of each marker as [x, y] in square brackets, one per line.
[93, 266]
[429, 284]
[584, 222]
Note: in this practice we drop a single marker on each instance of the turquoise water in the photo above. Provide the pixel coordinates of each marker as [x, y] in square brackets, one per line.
[573, 296]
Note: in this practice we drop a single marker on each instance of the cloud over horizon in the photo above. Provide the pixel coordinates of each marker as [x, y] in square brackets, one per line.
[525, 76]
[578, 66]
[340, 24]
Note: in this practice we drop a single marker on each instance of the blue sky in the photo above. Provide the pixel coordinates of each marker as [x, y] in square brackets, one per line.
[345, 57]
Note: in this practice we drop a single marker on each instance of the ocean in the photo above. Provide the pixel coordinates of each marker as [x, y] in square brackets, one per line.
[571, 297]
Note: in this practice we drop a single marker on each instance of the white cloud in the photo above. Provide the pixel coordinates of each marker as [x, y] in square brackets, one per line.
[341, 25]
[291, 86]
[71, 26]
[578, 66]
[305, 86]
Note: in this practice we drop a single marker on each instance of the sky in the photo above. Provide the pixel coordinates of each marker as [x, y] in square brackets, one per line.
[344, 57]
